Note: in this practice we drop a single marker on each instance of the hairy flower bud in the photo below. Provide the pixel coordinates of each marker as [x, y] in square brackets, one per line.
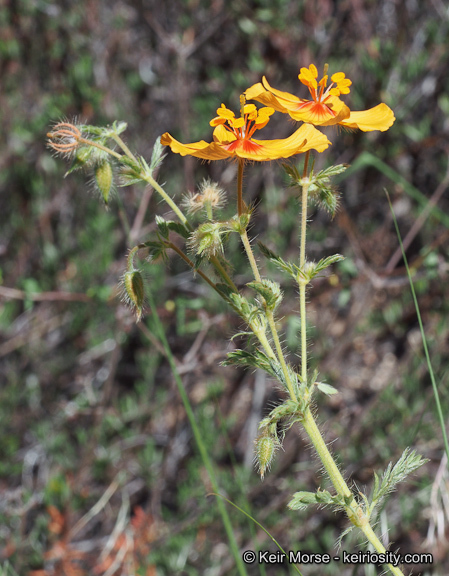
[206, 240]
[134, 291]
[104, 179]
[266, 446]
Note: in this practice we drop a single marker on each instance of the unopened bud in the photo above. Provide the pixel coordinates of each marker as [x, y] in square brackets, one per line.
[134, 291]
[206, 240]
[266, 446]
[104, 179]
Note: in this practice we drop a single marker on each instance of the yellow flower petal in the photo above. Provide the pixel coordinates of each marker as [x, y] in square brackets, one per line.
[259, 93]
[308, 77]
[313, 70]
[305, 138]
[199, 149]
[381, 117]
[223, 136]
[338, 77]
[217, 120]
[320, 114]
[238, 122]
[225, 113]
[325, 108]
[248, 108]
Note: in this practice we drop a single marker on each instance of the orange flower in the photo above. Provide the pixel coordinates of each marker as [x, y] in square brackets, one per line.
[325, 108]
[233, 137]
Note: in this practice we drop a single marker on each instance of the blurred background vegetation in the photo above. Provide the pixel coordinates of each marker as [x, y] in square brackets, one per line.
[91, 421]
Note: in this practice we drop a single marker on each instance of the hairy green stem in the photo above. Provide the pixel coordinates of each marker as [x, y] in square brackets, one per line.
[302, 285]
[222, 272]
[325, 456]
[100, 147]
[285, 371]
[240, 187]
[255, 269]
[149, 178]
[354, 511]
[123, 146]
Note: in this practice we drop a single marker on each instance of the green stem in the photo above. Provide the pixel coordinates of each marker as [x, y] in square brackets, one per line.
[209, 212]
[131, 255]
[240, 187]
[325, 456]
[222, 272]
[149, 178]
[378, 546]
[192, 265]
[256, 273]
[302, 285]
[353, 509]
[124, 147]
[249, 253]
[101, 147]
[280, 353]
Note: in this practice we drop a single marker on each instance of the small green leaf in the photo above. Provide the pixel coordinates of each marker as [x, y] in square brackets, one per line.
[326, 388]
[292, 172]
[301, 500]
[254, 360]
[156, 250]
[271, 292]
[119, 126]
[179, 228]
[325, 262]
[162, 227]
[157, 156]
[130, 172]
[342, 535]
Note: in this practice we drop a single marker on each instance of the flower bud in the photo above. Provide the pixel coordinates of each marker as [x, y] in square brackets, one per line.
[104, 179]
[266, 446]
[206, 240]
[134, 291]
